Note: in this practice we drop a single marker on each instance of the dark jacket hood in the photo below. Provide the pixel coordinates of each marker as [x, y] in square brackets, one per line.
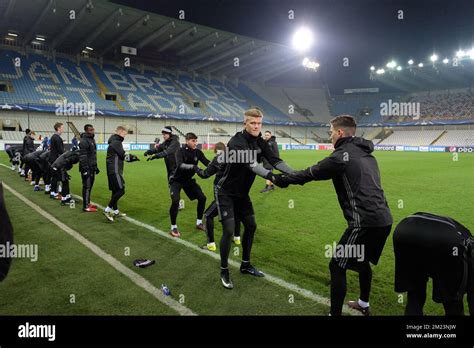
[115, 137]
[364, 144]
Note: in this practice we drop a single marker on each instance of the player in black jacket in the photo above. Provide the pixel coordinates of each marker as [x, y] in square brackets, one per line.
[271, 140]
[187, 159]
[28, 147]
[88, 166]
[56, 148]
[60, 167]
[166, 150]
[211, 212]
[114, 160]
[32, 160]
[15, 154]
[243, 162]
[356, 178]
[438, 247]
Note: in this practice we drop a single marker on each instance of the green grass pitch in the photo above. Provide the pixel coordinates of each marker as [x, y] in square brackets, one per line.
[294, 226]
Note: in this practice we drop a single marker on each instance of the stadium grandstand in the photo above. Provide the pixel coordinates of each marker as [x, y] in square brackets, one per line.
[185, 75]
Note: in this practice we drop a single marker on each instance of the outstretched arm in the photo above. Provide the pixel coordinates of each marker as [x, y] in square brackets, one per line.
[324, 170]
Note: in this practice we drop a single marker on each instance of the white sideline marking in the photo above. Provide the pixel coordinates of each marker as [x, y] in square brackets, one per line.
[134, 277]
[272, 279]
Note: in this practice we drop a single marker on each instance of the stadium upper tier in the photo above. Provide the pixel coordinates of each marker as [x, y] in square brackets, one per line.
[443, 105]
[38, 80]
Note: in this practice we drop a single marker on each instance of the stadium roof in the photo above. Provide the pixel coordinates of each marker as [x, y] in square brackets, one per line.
[105, 27]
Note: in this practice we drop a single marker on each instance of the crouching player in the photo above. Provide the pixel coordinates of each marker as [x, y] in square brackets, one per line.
[32, 160]
[60, 167]
[437, 247]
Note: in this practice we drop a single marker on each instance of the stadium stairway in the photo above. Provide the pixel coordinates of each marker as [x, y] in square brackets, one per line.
[283, 134]
[178, 130]
[439, 137]
[103, 89]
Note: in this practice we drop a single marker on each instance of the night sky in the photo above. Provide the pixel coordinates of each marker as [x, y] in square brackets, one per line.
[368, 32]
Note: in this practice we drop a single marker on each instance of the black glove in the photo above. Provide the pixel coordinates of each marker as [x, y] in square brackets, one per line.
[148, 153]
[200, 173]
[97, 171]
[151, 158]
[280, 180]
[196, 169]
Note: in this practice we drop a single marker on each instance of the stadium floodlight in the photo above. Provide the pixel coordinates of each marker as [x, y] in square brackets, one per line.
[391, 64]
[445, 60]
[40, 38]
[372, 68]
[380, 71]
[410, 62]
[309, 64]
[89, 48]
[12, 34]
[420, 65]
[460, 53]
[399, 68]
[434, 58]
[471, 53]
[302, 39]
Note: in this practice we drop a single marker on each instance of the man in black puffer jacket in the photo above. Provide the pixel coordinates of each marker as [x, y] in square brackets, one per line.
[356, 178]
[88, 166]
[166, 150]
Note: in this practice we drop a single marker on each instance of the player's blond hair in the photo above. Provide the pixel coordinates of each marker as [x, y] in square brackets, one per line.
[253, 112]
[121, 128]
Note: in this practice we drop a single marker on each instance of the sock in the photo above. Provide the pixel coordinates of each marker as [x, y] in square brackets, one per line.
[211, 244]
[363, 304]
[108, 209]
[47, 187]
[116, 212]
[53, 193]
[198, 222]
[174, 226]
[238, 238]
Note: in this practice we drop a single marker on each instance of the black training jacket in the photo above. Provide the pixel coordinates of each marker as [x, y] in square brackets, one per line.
[56, 147]
[87, 153]
[33, 157]
[66, 160]
[167, 150]
[237, 178]
[115, 155]
[186, 159]
[356, 178]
